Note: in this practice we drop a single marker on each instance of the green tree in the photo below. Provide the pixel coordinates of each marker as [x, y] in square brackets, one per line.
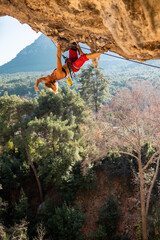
[22, 208]
[110, 216]
[56, 138]
[94, 87]
[62, 223]
[67, 105]
[14, 116]
[53, 140]
[10, 172]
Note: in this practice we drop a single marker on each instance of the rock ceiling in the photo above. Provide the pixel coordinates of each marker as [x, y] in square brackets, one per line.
[130, 28]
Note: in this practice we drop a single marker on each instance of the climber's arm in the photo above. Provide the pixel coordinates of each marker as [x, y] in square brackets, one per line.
[38, 82]
[59, 63]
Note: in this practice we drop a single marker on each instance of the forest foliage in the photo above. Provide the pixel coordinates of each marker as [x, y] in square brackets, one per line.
[51, 146]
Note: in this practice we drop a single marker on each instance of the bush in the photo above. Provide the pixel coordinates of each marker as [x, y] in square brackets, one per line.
[125, 237]
[68, 223]
[3, 234]
[117, 165]
[62, 223]
[76, 183]
[41, 231]
[154, 222]
[19, 231]
[109, 217]
[10, 171]
[22, 208]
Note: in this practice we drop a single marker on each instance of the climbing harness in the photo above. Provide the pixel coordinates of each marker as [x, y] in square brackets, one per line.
[72, 75]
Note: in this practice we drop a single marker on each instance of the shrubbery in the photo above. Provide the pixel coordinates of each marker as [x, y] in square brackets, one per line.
[22, 208]
[76, 183]
[109, 217]
[117, 165]
[62, 223]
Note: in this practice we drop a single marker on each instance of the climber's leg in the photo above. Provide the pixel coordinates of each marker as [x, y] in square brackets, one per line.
[78, 63]
[82, 59]
[93, 55]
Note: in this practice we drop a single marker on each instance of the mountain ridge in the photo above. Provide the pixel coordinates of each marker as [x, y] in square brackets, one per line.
[33, 58]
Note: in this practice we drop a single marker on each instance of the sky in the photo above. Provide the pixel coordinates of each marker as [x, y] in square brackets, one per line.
[14, 36]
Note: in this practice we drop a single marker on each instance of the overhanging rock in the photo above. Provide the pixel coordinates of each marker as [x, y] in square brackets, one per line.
[130, 28]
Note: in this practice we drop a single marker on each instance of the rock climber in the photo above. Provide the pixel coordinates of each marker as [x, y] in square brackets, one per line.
[73, 64]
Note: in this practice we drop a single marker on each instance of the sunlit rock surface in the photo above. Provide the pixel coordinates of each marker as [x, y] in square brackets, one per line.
[130, 28]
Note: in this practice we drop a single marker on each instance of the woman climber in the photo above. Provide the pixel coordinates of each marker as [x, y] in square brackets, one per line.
[73, 64]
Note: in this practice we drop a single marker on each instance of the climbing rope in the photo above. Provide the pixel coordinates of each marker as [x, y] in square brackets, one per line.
[111, 55]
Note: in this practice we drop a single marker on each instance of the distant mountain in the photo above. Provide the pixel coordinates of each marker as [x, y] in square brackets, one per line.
[40, 56]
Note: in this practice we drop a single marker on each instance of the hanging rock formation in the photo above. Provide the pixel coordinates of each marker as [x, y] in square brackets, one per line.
[130, 28]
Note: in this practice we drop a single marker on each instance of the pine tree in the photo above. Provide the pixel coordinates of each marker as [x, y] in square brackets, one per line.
[94, 87]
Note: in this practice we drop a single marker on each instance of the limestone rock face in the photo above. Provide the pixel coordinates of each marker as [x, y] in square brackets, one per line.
[130, 28]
